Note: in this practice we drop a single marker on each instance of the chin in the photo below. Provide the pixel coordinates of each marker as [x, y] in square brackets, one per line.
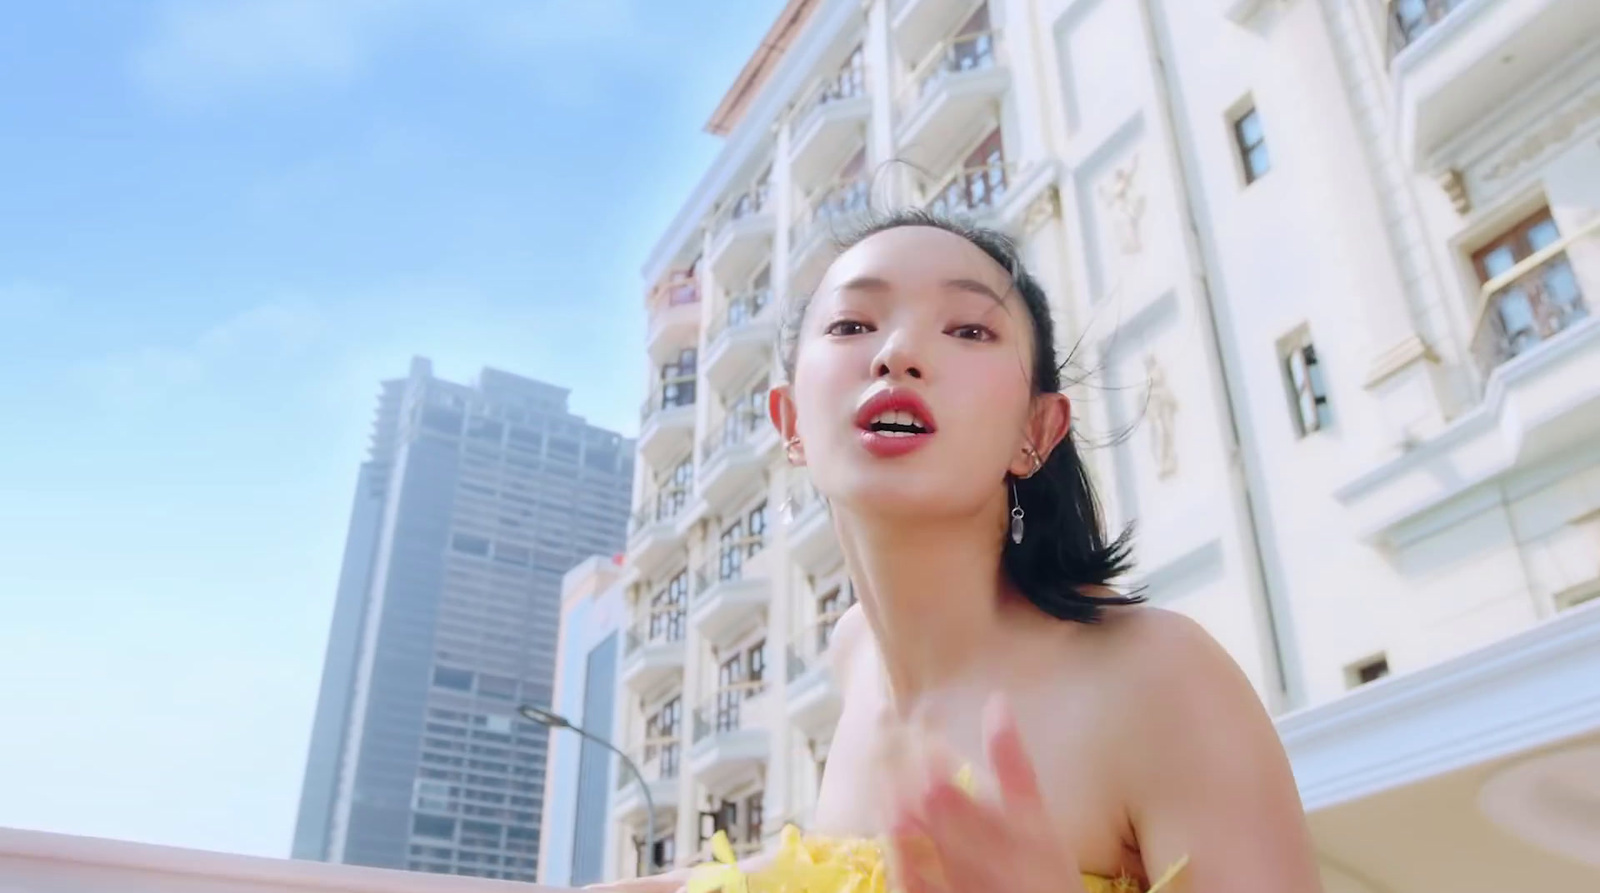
[895, 488]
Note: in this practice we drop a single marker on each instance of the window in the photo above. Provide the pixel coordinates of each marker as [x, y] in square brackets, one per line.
[730, 693]
[1307, 390]
[756, 664]
[1370, 670]
[756, 526]
[730, 551]
[979, 183]
[677, 380]
[497, 687]
[754, 814]
[485, 429]
[451, 678]
[1251, 141]
[468, 544]
[437, 827]
[1532, 307]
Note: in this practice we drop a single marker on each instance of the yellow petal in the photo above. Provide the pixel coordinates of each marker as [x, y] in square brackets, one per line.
[965, 780]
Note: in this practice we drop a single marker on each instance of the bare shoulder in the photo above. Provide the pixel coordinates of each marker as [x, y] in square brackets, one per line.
[1168, 665]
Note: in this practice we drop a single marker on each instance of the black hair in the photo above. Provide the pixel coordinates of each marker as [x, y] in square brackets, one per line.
[1066, 549]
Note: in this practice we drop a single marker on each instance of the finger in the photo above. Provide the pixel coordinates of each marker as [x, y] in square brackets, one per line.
[954, 819]
[1008, 756]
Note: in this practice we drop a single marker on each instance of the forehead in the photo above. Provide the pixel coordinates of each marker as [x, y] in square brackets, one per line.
[917, 256]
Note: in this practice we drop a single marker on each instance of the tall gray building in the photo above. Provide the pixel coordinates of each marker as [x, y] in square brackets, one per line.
[473, 504]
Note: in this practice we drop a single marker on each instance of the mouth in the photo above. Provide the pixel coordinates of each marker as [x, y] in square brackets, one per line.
[894, 421]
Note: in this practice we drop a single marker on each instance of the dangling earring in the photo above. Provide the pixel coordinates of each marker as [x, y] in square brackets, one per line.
[1016, 515]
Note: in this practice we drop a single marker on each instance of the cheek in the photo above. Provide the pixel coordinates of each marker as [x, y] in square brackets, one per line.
[991, 400]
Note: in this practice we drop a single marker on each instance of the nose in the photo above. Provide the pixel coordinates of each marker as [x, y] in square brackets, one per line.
[897, 358]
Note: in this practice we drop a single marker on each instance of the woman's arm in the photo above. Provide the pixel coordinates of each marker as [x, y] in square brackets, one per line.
[1208, 778]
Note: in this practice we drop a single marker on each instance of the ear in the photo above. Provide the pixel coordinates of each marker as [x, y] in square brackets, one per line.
[1048, 424]
[780, 408]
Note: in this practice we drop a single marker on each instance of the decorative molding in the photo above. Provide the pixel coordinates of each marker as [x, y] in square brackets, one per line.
[1161, 406]
[1045, 207]
[1455, 186]
[1555, 131]
[1121, 196]
[1527, 690]
[1396, 359]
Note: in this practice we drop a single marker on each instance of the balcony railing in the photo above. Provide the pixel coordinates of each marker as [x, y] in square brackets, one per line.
[658, 759]
[834, 205]
[676, 290]
[1532, 302]
[845, 85]
[737, 427]
[1410, 19]
[811, 646]
[664, 505]
[674, 393]
[663, 626]
[740, 312]
[974, 51]
[749, 203]
[721, 713]
[728, 566]
[971, 191]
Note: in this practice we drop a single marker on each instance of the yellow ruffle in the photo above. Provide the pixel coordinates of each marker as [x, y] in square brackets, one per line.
[834, 865]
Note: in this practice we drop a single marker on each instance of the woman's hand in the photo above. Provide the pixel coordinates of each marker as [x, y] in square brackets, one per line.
[947, 841]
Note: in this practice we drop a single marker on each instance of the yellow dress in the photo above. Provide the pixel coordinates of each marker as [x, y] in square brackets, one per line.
[833, 865]
[830, 865]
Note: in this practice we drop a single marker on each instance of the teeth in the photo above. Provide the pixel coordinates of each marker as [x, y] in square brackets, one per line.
[898, 418]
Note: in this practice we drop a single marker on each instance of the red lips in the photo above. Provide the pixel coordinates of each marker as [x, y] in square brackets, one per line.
[889, 441]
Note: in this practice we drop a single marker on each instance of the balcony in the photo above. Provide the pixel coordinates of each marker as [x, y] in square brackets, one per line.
[1537, 343]
[829, 214]
[666, 423]
[956, 90]
[831, 122]
[917, 25]
[731, 741]
[653, 537]
[1532, 303]
[653, 650]
[728, 599]
[812, 543]
[674, 317]
[1455, 62]
[658, 761]
[733, 460]
[741, 234]
[813, 699]
[740, 340]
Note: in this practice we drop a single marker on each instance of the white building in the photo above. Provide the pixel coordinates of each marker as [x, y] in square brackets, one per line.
[1336, 260]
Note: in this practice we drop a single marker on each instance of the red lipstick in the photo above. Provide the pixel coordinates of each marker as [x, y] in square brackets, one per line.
[894, 422]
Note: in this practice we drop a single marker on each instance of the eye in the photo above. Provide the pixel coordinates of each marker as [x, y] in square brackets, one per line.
[972, 333]
[847, 327]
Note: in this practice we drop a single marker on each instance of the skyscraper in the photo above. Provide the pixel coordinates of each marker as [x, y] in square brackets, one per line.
[474, 502]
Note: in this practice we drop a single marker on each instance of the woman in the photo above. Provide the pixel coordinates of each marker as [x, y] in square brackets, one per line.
[1110, 740]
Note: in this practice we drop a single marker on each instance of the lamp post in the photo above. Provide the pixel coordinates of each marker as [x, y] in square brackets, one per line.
[557, 721]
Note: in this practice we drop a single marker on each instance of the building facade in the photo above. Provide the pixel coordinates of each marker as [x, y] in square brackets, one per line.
[475, 501]
[576, 819]
[1336, 263]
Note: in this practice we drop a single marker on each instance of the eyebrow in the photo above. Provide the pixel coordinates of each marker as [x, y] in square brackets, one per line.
[879, 284]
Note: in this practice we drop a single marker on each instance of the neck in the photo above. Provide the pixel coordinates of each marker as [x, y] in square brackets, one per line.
[932, 591]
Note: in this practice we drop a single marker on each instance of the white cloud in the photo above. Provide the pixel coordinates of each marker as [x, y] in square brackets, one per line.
[202, 51]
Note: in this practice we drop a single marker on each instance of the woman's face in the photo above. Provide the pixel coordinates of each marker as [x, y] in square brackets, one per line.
[911, 391]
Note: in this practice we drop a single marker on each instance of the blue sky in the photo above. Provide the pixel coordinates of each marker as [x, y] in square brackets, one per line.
[224, 221]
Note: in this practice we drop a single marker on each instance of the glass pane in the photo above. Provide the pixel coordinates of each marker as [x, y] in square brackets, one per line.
[1258, 162]
[1250, 129]
[1543, 234]
[1498, 261]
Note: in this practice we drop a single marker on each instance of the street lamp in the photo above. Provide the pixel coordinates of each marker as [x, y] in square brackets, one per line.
[557, 721]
